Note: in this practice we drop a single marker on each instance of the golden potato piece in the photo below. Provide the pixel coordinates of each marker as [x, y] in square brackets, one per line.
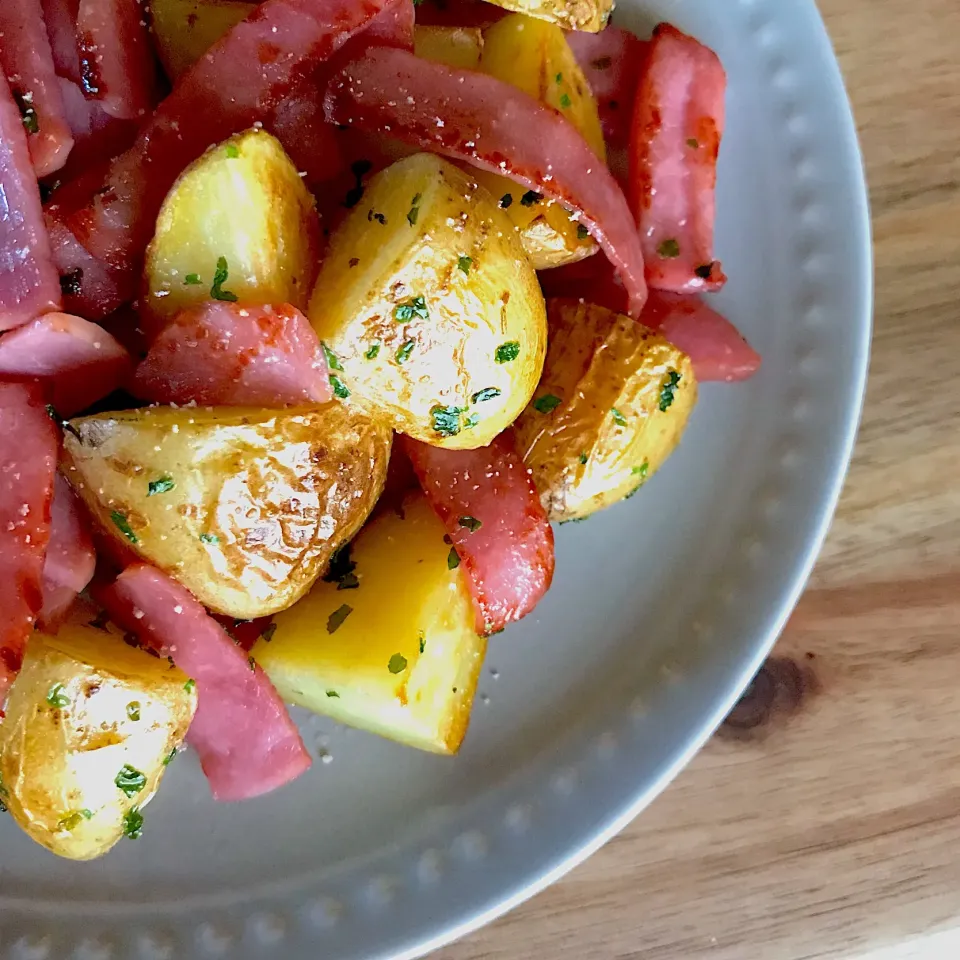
[90, 726]
[455, 46]
[185, 29]
[535, 57]
[238, 224]
[613, 403]
[589, 15]
[396, 653]
[244, 507]
[427, 303]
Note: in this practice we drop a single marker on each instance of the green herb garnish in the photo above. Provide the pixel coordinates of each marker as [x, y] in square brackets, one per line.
[453, 559]
[190, 685]
[373, 350]
[669, 249]
[618, 418]
[668, 390]
[123, 525]
[133, 710]
[219, 279]
[507, 351]
[56, 697]
[130, 781]
[446, 420]
[423, 642]
[335, 620]
[530, 198]
[163, 485]
[209, 538]
[73, 820]
[133, 824]
[470, 523]
[583, 458]
[170, 757]
[379, 217]
[333, 694]
[464, 263]
[404, 351]
[547, 403]
[487, 393]
[565, 101]
[414, 210]
[231, 151]
[340, 390]
[559, 78]
[642, 470]
[397, 664]
[192, 280]
[414, 307]
[268, 631]
[28, 113]
[582, 232]
[333, 361]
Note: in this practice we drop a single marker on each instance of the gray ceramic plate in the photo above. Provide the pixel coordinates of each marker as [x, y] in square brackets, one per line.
[661, 611]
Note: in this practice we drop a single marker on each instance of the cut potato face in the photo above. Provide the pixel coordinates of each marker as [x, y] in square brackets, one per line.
[535, 57]
[589, 15]
[90, 726]
[455, 46]
[390, 647]
[243, 507]
[429, 310]
[238, 225]
[185, 29]
[613, 403]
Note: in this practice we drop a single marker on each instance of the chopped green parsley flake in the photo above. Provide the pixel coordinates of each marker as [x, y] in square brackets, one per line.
[582, 232]
[423, 642]
[130, 781]
[335, 620]
[190, 685]
[414, 307]
[531, 196]
[464, 263]
[583, 458]
[471, 421]
[73, 820]
[333, 694]
[192, 280]
[232, 152]
[133, 824]
[123, 525]
[506, 200]
[453, 559]
[446, 420]
[559, 78]
[333, 361]
[668, 390]
[487, 393]
[397, 664]
[268, 632]
[547, 403]
[565, 101]
[470, 523]
[163, 485]
[219, 279]
[507, 351]
[373, 350]
[618, 418]
[404, 351]
[642, 470]
[209, 538]
[669, 249]
[28, 113]
[379, 217]
[56, 696]
[340, 389]
[170, 757]
[133, 710]
[414, 210]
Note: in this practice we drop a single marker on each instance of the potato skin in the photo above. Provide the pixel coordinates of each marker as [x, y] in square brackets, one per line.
[531, 54]
[59, 764]
[589, 15]
[244, 203]
[613, 403]
[185, 29]
[405, 662]
[428, 304]
[259, 499]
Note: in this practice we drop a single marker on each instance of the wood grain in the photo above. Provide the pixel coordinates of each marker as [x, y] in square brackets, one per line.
[825, 822]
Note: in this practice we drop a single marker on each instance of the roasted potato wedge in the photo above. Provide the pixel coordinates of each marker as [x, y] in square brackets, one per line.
[535, 56]
[429, 310]
[90, 726]
[588, 15]
[455, 46]
[185, 29]
[387, 641]
[244, 507]
[613, 403]
[238, 224]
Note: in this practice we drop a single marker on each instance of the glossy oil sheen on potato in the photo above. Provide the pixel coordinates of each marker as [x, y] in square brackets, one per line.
[185, 29]
[613, 403]
[405, 659]
[243, 205]
[535, 57]
[428, 304]
[84, 706]
[243, 507]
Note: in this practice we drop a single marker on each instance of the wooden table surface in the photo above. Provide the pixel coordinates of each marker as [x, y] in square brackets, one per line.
[832, 828]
